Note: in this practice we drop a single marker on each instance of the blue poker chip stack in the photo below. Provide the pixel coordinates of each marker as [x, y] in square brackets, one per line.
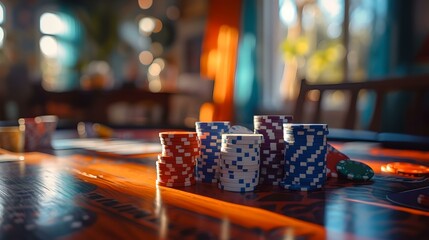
[305, 156]
[272, 148]
[239, 162]
[210, 136]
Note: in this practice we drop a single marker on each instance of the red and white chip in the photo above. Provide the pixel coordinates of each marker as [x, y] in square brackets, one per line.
[332, 158]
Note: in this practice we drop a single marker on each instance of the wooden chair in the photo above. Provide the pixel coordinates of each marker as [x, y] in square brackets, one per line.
[417, 85]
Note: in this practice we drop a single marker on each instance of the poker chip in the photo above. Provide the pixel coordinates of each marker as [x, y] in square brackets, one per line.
[305, 156]
[177, 160]
[182, 184]
[210, 137]
[239, 129]
[354, 170]
[176, 164]
[239, 162]
[300, 187]
[272, 147]
[236, 189]
[409, 169]
[332, 159]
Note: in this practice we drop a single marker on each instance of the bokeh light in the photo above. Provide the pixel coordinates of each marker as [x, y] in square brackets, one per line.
[49, 46]
[51, 23]
[1, 13]
[145, 57]
[145, 4]
[288, 12]
[147, 25]
[157, 49]
[173, 13]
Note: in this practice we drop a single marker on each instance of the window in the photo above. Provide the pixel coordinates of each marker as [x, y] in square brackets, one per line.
[58, 43]
[311, 40]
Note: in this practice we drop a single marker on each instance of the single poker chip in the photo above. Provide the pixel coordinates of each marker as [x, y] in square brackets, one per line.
[272, 118]
[207, 180]
[242, 137]
[177, 159]
[184, 173]
[178, 134]
[179, 162]
[175, 176]
[354, 170]
[239, 180]
[239, 129]
[265, 171]
[244, 163]
[297, 180]
[239, 175]
[274, 146]
[236, 189]
[213, 123]
[175, 169]
[423, 199]
[209, 136]
[210, 150]
[175, 179]
[202, 173]
[249, 146]
[408, 168]
[239, 149]
[242, 142]
[184, 184]
[180, 146]
[270, 131]
[172, 145]
[238, 185]
[277, 127]
[180, 154]
[173, 165]
[296, 187]
[308, 126]
[242, 155]
[239, 167]
[332, 158]
[235, 176]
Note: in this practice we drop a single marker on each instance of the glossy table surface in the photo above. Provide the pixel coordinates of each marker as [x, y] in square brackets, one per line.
[78, 194]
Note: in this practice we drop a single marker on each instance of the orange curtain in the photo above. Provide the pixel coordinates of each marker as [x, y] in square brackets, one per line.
[219, 57]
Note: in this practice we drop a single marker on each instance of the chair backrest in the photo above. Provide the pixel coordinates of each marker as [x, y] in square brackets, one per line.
[417, 85]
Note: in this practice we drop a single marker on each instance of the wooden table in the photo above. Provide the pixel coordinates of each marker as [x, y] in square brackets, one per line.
[76, 194]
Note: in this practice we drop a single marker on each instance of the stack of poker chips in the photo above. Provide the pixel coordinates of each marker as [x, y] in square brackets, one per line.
[176, 164]
[210, 136]
[239, 162]
[272, 148]
[305, 156]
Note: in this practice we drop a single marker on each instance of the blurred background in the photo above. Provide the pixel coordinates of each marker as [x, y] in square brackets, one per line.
[169, 63]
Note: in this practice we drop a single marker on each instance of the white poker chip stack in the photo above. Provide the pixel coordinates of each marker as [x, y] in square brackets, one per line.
[239, 162]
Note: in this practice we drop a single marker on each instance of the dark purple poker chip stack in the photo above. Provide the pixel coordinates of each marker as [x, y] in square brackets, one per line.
[272, 148]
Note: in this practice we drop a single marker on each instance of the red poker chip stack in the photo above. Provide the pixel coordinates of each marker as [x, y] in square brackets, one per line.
[176, 164]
